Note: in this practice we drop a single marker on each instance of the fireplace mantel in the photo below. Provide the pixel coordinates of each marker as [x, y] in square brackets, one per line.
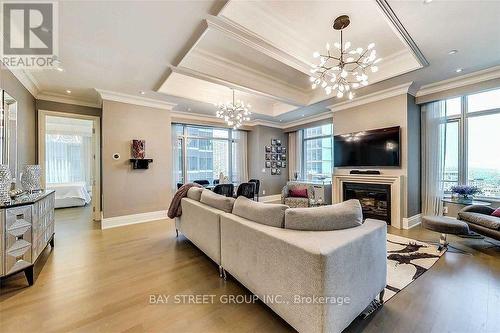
[396, 191]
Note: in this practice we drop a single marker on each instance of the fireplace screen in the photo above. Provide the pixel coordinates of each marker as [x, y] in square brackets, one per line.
[375, 199]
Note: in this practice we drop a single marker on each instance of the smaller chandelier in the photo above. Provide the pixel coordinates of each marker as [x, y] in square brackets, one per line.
[343, 68]
[234, 113]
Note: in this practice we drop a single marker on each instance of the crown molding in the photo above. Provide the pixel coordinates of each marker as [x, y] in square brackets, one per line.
[136, 100]
[403, 33]
[404, 88]
[27, 80]
[460, 81]
[307, 120]
[60, 98]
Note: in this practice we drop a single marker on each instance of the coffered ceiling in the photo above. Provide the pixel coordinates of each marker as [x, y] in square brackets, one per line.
[192, 53]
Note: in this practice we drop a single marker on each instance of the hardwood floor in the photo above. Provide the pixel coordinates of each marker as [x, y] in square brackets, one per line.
[102, 281]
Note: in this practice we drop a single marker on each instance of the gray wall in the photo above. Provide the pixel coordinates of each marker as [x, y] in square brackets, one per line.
[258, 138]
[26, 117]
[67, 108]
[414, 197]
[126, 191]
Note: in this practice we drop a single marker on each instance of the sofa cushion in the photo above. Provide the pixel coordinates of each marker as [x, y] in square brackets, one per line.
[217, 201]
[195, 193]
[343, 215]
[484, 220]
[268, 214]
[298, 192]
[496, 213]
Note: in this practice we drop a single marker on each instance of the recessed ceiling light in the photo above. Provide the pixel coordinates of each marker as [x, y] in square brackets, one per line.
[142, 92]
[453, 52]
[60, 69]
[303, 115]
[459, 70]
[427, 1]
[68, 91]
[281, 120]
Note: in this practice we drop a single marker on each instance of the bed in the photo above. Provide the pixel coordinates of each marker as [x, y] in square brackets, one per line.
[70, 194]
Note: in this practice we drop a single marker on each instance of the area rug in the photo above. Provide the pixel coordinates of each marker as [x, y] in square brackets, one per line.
[407, 259]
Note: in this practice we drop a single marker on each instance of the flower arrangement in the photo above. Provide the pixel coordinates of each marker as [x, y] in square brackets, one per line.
[465, 190]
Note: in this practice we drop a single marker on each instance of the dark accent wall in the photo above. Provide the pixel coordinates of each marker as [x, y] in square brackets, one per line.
[258, 138]
[26, 117]
[414, 196]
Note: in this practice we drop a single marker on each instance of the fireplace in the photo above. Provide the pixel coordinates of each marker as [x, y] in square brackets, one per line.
[375, 199]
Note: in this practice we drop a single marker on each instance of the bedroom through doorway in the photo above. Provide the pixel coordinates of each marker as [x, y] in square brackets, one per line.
[69, 150]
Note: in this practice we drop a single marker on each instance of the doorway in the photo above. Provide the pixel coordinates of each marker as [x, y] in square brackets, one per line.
[69, 155]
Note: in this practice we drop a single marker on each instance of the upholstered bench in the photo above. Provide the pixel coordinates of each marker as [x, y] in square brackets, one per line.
[445, 225]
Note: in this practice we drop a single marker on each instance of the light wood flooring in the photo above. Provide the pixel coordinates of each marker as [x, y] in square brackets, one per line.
[101, 281]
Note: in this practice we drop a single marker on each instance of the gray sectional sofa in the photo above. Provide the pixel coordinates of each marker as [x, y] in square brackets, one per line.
[318, 275]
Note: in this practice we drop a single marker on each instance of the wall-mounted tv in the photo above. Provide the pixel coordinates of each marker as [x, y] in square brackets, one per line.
[374, 148]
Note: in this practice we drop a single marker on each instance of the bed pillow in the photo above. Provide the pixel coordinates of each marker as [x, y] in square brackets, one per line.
[344, 215]
[217, 201]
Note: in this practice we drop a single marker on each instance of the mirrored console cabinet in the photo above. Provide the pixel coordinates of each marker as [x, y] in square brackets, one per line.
[26, 227]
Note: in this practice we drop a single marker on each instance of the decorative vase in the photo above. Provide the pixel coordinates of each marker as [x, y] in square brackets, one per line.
[138, 149]
[30, 179]
[5, 182]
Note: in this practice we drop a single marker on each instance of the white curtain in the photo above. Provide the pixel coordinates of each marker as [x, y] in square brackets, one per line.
[294, 154]
[68, 158]
[433, 144]
[240, 157]
[176, 158]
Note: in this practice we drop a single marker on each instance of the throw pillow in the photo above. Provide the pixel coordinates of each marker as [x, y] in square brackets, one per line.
[217, 201]
[298, 192]
[268, 214]
[195, 193]
[496, 213]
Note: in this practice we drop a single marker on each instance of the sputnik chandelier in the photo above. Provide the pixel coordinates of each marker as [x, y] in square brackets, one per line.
[233, 113]
[343, 68]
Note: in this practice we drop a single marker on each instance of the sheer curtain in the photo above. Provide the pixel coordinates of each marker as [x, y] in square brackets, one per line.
[176, 157]
[433, 144]
[240, 157]
[68, 158]
[294, 154]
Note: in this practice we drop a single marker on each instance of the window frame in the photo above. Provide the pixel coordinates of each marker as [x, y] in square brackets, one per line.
[185, 137]
[303, 148]
[463, 138]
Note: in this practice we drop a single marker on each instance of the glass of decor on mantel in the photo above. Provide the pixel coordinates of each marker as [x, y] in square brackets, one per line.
[139, 149]
[465, 192]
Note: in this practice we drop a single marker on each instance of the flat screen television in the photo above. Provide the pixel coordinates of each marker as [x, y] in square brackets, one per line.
[374, 148]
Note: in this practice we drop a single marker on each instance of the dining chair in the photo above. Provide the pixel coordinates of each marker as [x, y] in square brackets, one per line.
[202, 182]
[224, 189]
[216, 181]
[257, 187]
[247, 190]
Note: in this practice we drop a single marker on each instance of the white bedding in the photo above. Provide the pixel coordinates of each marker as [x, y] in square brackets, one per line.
[70, 194]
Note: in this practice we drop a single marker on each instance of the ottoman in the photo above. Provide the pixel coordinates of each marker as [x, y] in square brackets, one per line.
[445, 225]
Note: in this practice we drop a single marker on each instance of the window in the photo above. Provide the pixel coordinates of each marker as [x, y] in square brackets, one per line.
[317, 152]
[208, 152]
[472, 136]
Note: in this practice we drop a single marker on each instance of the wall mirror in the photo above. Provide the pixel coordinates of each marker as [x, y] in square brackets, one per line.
[8, 133]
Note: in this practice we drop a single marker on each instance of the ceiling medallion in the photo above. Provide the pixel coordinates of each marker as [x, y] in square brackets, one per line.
[343, 68]
[233, 113]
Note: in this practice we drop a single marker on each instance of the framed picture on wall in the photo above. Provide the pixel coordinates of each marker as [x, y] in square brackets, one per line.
[274, 164]
[274, 157]
[279, 149]
[268, 149]
[283, 164]
[283, 150]
[268, 164]
[273, 171]
[279, 164]
[278, 142]
[278, 171]
[283, 157]
[268, 157]
[273, 142]
[273, 149]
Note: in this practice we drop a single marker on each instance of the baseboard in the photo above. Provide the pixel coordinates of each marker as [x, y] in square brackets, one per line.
[411, 222]
[270, 198]
[118, 221]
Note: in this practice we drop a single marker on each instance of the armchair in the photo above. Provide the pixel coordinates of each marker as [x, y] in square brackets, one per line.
[294, 202]
[480, 220]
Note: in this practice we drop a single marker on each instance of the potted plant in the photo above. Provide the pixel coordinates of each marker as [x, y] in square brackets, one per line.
[466, 192]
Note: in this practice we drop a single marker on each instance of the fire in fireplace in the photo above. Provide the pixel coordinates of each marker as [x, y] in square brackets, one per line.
[375, 199]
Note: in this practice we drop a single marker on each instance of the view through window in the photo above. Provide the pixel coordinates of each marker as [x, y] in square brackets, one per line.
[472, 137]
[317, 148]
